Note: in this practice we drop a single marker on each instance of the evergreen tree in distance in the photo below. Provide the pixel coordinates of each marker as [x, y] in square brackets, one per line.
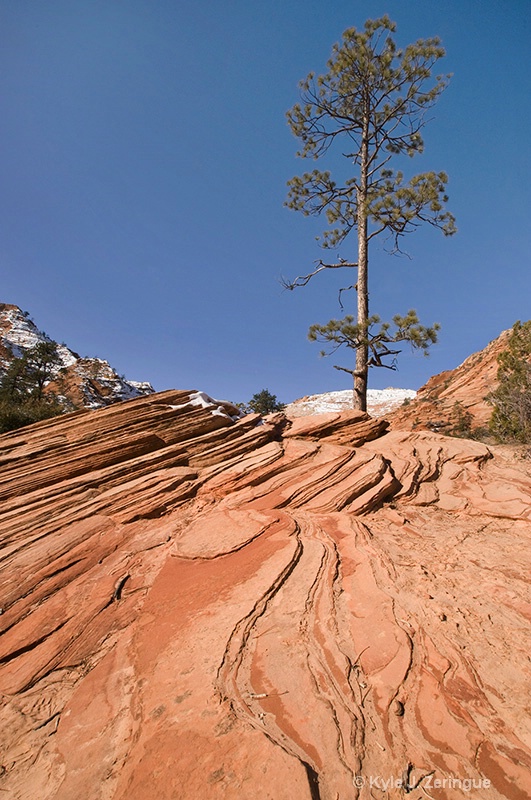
[23, 399]
[264, 403]
[371, 104]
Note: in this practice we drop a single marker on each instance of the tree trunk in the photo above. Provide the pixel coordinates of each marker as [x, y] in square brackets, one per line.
[362, 352]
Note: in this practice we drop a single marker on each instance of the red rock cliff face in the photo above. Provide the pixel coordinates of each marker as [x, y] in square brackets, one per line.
[197, 607]
[440, 405]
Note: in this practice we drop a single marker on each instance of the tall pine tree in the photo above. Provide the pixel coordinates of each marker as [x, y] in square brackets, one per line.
[371, 103]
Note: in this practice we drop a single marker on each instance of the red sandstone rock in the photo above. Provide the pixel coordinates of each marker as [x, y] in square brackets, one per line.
[442, 403]
[198, 607]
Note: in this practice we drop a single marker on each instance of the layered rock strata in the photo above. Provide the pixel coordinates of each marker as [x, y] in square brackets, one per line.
[200, 606]
[455, 401]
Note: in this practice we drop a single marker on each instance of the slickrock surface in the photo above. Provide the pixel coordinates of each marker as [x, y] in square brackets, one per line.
[206, 608]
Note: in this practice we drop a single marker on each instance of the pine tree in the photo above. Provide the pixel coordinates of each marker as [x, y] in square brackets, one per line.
[23, 399]
[346, 332]
[371, 103]
[511, 418]
[264, 403]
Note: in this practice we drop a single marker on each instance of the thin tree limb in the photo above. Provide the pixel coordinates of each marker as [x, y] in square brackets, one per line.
[303, 280]
[345, 289]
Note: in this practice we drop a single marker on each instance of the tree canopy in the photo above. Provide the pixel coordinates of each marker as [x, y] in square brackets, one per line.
[23, 399]
[264, 403]
[371, 103]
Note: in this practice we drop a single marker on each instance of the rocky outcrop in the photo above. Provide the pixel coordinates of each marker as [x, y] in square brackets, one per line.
[455, 401]
[77, 382]
[197, 605]
[380, 402]
[452, 402]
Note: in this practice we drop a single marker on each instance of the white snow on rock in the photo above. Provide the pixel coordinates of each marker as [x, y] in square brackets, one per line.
[100, 384]
[379, 402]
[219, 408]
[142, 387]
[21, 333]
[98, 377]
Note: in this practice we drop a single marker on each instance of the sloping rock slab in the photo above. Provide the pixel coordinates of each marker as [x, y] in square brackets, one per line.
[199, 606]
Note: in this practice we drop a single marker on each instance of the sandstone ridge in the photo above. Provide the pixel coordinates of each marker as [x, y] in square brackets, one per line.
[197, 605]
[456, 397]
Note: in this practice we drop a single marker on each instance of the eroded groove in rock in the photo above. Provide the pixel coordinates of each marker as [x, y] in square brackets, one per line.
[227, 672]
[285, 662]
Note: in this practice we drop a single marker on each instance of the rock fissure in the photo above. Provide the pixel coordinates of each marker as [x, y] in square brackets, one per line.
[232, 658]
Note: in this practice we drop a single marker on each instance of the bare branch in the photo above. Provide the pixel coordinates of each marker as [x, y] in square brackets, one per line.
[377, 354]
[345, 289]
[393, 366]
[355, 373]
[376, 232]
[377, 167]
[303, 280]
[344, 369]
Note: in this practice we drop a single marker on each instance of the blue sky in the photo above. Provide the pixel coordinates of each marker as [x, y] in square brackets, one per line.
[144, 154]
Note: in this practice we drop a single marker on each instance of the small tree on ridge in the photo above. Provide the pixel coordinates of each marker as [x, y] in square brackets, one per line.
[372, 101]
[264, 403]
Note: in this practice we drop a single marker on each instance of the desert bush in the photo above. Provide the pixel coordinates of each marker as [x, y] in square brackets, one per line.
[511, 417]
[461, 421]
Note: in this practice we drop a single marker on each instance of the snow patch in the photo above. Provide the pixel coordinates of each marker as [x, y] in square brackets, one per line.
[99, 383]
[20, 334]
[379, 402]
[218, 408]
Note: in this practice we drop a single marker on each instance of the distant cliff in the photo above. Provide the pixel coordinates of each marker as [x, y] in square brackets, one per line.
[82, 382]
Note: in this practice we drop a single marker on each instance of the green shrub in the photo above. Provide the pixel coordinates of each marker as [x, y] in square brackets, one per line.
[511, 417]
[16, 415]
[461, 421]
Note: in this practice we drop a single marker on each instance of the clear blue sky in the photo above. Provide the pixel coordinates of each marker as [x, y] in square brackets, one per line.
[144, 155]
